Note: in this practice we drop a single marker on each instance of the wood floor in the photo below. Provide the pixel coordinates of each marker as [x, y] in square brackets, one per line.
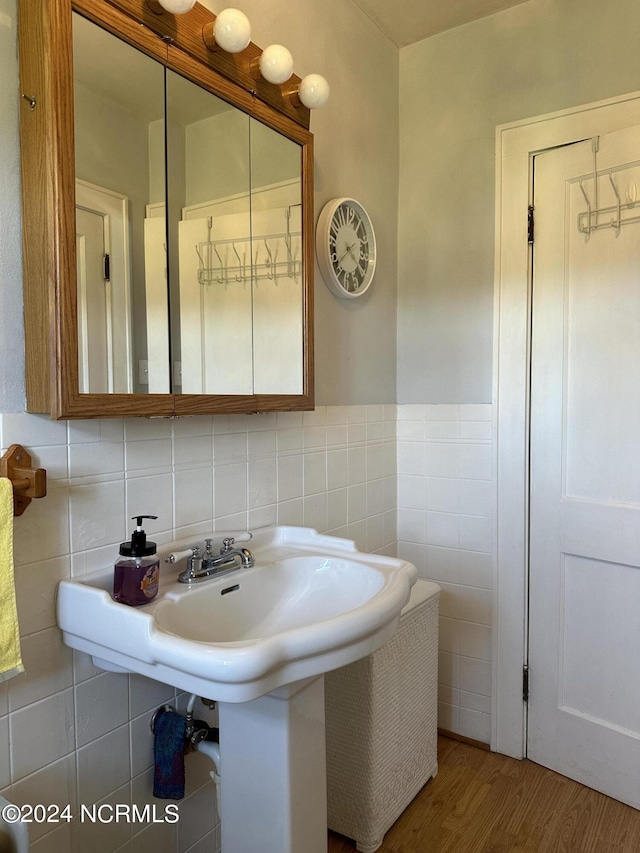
[480, 801]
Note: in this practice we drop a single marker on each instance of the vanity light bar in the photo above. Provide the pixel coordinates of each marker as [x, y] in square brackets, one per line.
[230, 31]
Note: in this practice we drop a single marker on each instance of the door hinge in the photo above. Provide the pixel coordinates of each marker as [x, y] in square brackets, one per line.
[530, 224]
[107, 268]
[525, 682]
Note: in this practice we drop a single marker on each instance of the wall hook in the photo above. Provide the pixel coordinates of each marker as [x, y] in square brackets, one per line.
[32, 101]
[28, 482]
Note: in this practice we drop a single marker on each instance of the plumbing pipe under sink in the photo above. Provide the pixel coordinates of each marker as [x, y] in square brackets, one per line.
[212, 750]
[209, 748]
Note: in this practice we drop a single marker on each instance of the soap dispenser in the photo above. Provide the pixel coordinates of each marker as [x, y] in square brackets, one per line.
[137, 572]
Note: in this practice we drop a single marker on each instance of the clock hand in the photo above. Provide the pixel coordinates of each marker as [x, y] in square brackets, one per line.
[346, 252]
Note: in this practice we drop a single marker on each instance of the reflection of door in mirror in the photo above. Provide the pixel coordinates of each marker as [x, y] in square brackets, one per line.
[93, 317]
[119, 105]
[104, 324]
[156, 287]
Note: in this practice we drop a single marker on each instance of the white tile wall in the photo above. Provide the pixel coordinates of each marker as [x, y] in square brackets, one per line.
[445, 528]
[70, 733]
[412, 478]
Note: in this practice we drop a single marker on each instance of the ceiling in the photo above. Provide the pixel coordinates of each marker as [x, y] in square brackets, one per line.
[408, 21]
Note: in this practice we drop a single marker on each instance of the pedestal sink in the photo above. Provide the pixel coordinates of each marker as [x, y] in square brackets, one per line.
[258, 641]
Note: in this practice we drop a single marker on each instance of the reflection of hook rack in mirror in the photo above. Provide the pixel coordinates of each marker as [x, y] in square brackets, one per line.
[271, 268]
[241, 265]
[256, 256]
[616, 224]
[223, 272]
[269, 262]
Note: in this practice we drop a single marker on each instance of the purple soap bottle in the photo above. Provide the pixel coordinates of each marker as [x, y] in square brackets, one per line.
[136, 574]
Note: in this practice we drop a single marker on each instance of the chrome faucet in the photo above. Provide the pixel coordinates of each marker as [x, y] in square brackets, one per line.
[201, 566]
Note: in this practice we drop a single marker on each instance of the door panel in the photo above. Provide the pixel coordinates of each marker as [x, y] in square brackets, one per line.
[584, 630]
[102, 228]
[591, 683]
[93, 316]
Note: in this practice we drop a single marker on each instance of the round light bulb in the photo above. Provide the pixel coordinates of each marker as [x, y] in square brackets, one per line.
[232, 30]
[314, 91]
[177, 7]
[276, 63]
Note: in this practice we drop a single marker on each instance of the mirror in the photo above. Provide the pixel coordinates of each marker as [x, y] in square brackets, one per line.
[167, 218]
[236, 200]
[206, 300]
[123, 333]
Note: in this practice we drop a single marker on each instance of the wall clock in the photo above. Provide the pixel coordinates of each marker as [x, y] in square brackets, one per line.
[346, 247]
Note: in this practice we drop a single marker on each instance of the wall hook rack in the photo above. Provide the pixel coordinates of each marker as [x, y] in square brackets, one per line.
[28, 482]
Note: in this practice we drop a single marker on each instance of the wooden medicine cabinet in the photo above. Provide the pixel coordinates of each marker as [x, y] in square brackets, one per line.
[167, 218]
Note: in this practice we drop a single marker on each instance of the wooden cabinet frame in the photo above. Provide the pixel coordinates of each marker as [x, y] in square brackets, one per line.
[48, 193]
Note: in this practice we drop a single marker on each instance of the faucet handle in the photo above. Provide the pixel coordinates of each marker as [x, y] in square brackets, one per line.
[179, 555]
[238, 535]
[207, 552]
[227, 544]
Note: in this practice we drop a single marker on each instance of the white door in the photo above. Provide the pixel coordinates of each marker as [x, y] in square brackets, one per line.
[584, 605]
[104, 298]
[94, 319]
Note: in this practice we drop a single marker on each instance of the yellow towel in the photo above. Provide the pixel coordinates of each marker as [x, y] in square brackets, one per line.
[10, 658]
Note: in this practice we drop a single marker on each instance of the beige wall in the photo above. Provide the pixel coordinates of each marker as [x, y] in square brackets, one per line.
[541, 56]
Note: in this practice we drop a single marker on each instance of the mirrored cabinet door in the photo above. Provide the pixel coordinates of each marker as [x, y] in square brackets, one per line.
[209, 197]
[121, 244]
[278, 269]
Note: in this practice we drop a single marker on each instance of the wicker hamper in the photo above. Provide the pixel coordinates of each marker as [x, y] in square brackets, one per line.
[381, 726]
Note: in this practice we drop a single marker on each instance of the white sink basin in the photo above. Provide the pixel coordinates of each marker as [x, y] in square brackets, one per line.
[311, 603]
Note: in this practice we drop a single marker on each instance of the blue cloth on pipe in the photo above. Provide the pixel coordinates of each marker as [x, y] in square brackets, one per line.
[168, 750]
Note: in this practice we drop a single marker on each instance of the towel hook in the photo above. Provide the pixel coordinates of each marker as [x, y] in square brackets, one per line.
[28, 482]
[163, 709]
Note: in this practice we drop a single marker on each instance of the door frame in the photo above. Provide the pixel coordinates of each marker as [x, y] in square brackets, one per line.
[516, 144]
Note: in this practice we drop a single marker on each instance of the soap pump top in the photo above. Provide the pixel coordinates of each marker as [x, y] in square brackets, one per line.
[136, 574]
[139, 546]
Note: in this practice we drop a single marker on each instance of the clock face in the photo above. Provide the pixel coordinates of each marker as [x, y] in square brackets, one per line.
[346, 247]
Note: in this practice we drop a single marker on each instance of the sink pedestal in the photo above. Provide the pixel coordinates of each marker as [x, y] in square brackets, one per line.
[273, 771]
